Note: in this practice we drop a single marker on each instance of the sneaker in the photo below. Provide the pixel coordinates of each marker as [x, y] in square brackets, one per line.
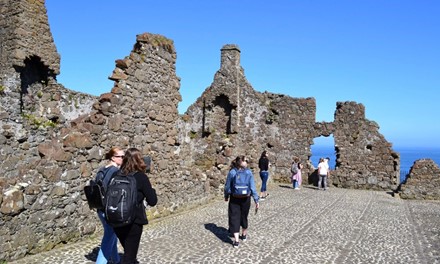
[235, 244]
[243, 238]
[262, 198]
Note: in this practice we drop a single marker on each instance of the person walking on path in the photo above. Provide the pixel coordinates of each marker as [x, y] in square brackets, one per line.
[263, 165]
[323, 173]
[130, 235]
[108, 252]
[239, 187]
[297, 177]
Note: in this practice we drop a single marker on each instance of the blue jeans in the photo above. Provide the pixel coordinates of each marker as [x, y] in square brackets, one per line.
[264, 175]
[322, 178]
[109, 244]
[295, 184]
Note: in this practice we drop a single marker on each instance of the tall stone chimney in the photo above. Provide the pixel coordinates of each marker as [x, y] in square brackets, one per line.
[230, 56]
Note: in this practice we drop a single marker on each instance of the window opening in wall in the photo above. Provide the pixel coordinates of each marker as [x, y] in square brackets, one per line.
[33, 72]
[323, 147]
[217, 116]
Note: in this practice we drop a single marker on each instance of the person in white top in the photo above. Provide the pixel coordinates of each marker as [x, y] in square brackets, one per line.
[323, 173]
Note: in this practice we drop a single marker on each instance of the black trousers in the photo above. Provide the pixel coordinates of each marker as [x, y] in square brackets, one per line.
[130, 238]
[238, 211]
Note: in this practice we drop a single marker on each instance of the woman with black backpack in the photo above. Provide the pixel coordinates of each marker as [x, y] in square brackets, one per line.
[129, 235]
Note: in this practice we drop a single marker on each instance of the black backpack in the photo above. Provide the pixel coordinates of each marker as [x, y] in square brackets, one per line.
[120, 203]
[96, 189]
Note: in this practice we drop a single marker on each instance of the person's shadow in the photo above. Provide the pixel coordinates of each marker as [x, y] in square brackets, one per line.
[93, 254]
[313, 178]
[219, 231]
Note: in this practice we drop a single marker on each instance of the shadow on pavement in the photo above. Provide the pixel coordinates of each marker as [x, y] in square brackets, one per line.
[219, 231]
[93, 254]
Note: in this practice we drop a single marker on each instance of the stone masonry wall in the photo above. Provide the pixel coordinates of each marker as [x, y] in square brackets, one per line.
[231, 119]
[53, 139]
[42, 203]
[25, 33]
[423, 181]
[364, 159]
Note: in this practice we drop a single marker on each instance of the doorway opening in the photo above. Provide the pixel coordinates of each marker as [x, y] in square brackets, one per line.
[323, 147]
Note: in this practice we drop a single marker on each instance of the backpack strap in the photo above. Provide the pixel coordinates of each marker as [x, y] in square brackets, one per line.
[233, 177]
[106, 179]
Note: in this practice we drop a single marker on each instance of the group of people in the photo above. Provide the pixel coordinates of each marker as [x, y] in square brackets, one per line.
[131, 164]
[239, 188]
[323, 173]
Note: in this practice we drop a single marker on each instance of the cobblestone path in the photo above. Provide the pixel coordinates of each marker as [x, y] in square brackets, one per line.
[292, 226]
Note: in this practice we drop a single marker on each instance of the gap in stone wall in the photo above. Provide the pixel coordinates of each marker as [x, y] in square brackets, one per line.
[323, 147]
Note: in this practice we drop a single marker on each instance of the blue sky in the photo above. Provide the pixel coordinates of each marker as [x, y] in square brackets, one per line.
[383, 54]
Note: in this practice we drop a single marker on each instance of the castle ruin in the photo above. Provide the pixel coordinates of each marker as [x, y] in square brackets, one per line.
[53, 139]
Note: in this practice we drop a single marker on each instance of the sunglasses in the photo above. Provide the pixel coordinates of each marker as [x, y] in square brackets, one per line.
[119, 156]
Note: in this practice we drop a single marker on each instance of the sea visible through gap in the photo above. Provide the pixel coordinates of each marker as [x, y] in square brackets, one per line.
[407, 155]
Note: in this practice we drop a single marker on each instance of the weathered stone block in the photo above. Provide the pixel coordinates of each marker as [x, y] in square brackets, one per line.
[78, 140]
[13, 201]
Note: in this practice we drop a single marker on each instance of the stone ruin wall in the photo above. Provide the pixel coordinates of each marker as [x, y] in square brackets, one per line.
[423, 181]
[52, 139]
[364, 159]
[30, 63]
[231, 118]
[45, 170]
[22, 24]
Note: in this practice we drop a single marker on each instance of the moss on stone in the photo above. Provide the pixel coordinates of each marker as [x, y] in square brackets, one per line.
[157, 40]
[38, 122]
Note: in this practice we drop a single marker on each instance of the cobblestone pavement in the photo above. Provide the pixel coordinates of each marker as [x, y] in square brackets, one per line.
[292, 226]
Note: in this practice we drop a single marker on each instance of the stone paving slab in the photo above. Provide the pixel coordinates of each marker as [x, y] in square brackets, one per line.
[292, 226]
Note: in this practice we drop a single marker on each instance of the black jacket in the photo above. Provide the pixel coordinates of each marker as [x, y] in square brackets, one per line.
[263, 164]
[145, 192]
